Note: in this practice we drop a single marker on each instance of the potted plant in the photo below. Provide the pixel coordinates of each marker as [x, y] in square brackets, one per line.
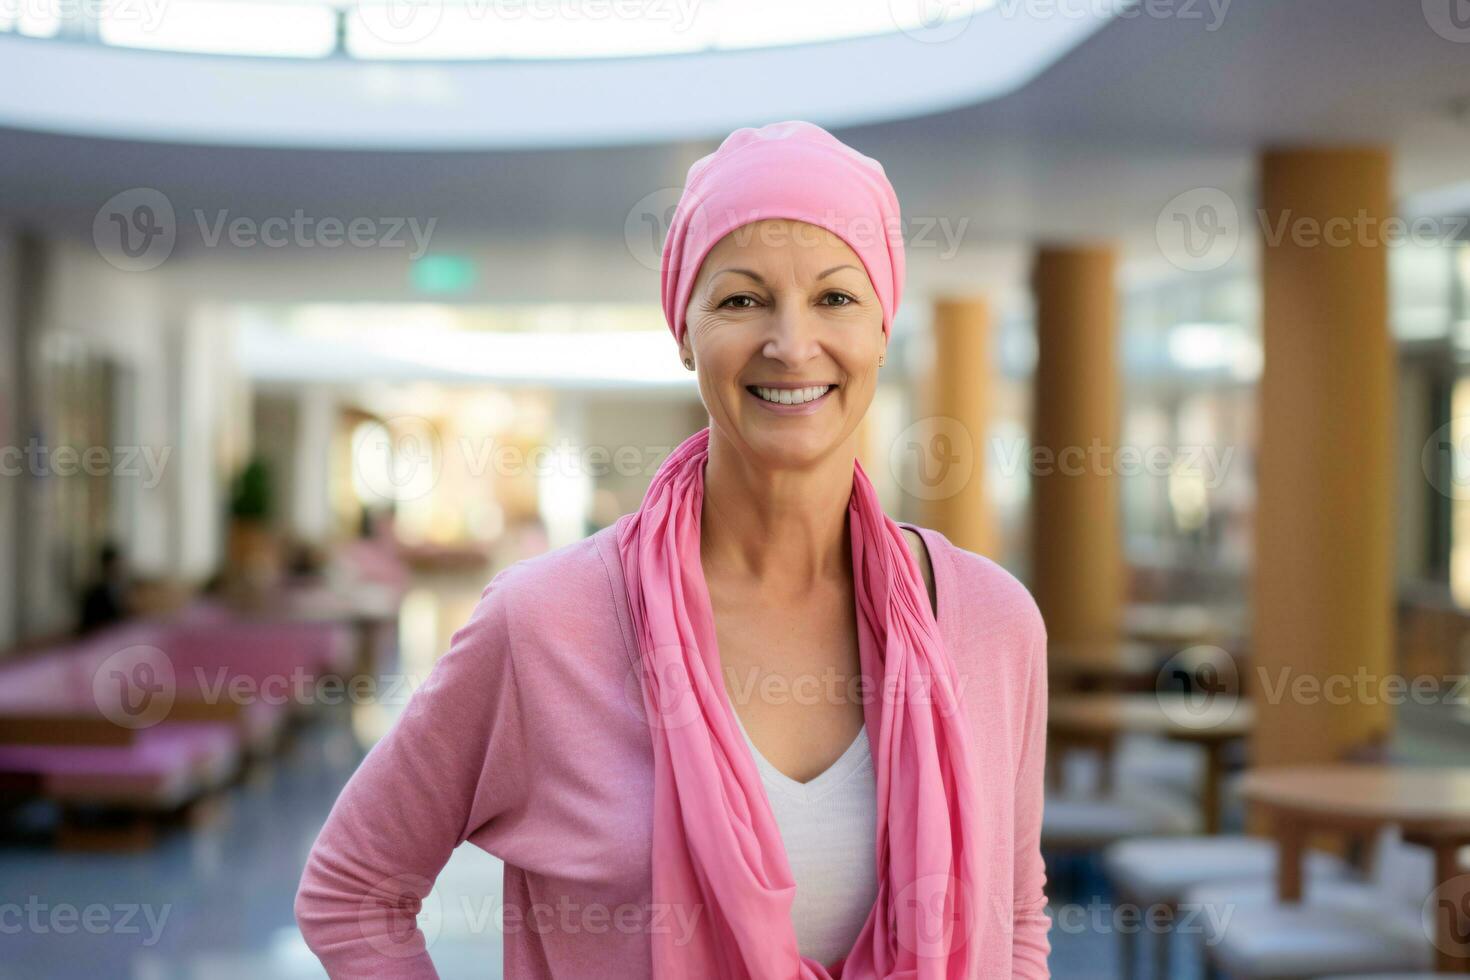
[254, 550]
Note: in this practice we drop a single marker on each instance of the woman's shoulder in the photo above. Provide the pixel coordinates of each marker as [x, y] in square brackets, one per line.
[578, 561]
[984, 595]
[564, 594]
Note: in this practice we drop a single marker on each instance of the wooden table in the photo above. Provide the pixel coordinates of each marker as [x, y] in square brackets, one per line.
[1098, 719]
[1431, 806]
[1119, 665]
[1179, 625]
[1131, 665]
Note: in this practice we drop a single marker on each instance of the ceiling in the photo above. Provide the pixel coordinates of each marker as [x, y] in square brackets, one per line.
[976, 50]
[1146, 108]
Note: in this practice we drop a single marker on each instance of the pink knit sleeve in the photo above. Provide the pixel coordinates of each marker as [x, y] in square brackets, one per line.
[1029, 943]
[450, 766]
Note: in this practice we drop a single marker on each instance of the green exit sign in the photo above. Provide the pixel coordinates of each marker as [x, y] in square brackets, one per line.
[440, 274]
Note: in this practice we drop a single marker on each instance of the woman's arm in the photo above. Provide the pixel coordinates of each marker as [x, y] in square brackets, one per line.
[1029, 943]
[421, 791]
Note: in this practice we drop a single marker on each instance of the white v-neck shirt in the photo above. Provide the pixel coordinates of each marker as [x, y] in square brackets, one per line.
[828, 826]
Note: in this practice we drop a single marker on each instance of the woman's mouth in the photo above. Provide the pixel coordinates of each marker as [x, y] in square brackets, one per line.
[791, 401]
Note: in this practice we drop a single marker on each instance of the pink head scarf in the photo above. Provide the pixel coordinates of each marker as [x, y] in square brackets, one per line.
[718, 857]
[793, 170]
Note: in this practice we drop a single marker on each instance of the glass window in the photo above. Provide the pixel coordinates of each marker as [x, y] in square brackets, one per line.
[225, 27]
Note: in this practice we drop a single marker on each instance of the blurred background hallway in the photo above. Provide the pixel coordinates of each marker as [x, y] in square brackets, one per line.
[316, 314]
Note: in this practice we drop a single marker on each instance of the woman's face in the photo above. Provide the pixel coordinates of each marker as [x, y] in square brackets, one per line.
[785, 330]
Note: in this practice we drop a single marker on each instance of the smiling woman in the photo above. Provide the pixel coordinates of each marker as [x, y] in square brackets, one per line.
[780, 329]
[887, 826]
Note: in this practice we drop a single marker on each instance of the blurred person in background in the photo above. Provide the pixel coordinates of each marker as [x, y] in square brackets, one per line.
[106, 599]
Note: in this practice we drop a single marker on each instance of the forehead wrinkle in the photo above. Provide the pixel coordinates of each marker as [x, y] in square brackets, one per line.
[751, 273]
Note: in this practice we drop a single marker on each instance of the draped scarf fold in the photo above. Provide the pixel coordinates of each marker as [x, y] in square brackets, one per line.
[718, 859]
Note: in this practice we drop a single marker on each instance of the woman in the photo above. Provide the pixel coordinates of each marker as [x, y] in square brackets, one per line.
[754, 729]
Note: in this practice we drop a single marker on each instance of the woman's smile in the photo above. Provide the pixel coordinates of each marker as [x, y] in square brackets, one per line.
[788, 399]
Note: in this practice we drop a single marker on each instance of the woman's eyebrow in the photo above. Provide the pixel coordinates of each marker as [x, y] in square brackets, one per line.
[743, 272]
[756, 276]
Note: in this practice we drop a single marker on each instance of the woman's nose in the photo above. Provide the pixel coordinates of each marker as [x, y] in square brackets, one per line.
[792, 336]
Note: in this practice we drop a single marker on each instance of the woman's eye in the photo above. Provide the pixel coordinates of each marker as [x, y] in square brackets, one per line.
[734, 299]
[846, 299]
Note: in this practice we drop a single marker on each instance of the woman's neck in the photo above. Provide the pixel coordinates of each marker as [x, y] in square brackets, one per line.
[786, 528]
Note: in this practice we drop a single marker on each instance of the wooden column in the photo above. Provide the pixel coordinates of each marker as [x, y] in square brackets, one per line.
[960, 389]
[1076, 540]
[1323, 586]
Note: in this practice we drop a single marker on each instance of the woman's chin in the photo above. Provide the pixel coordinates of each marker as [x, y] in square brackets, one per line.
[790, 446]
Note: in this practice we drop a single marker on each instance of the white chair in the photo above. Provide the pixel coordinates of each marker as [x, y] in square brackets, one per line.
[1340, 926]
[1288, 942]
[1156, 872]
[1150, 793]
[1073, 822]
[1141, 761]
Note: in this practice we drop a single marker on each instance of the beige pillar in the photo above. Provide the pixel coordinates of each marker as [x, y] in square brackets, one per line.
[959, 403]
[1076, 540]
[1323, 587]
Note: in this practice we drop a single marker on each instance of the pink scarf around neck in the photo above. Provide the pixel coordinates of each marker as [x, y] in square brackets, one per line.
[717, 851]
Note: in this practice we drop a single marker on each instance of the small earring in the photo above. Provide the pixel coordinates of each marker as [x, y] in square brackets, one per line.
[689, 363]
[880, 359]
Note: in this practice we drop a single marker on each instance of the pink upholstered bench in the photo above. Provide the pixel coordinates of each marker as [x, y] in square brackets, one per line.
[162, 767]
[60, 680]
[264, 659]
[59, 735]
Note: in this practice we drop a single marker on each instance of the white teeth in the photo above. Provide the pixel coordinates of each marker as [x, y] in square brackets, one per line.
[791, 396]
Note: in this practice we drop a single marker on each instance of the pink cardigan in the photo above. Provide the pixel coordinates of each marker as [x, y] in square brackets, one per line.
[527, 740]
